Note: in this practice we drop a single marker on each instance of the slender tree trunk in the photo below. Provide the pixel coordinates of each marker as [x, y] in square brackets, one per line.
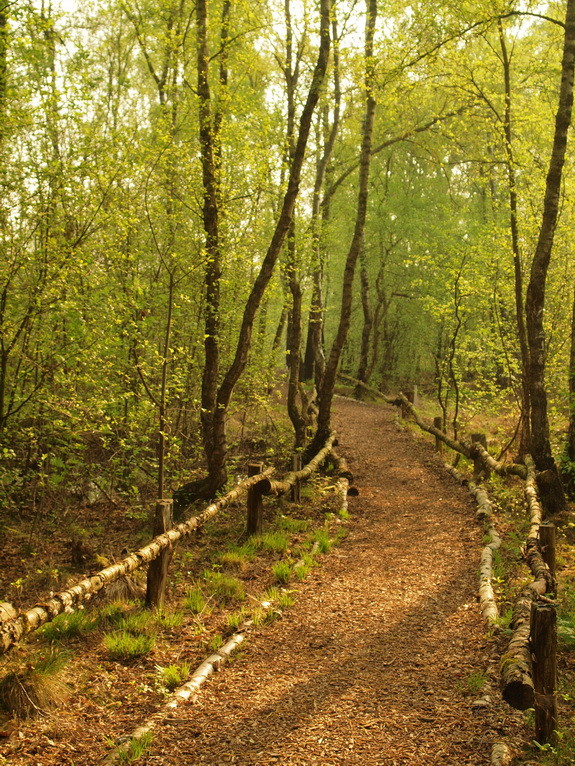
[363, 365]
[328, 382]
[525, 436]
[314, 356]
[294, 334]
[217, 473]
[209, 149]
[552, 495]
[569, 478]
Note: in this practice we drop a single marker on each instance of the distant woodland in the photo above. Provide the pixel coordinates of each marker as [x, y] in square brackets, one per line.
[207, 209]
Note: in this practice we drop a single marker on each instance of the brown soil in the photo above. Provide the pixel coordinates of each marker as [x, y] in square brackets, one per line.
[374, 664]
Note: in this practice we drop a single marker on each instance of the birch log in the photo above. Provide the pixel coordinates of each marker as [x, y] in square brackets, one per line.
[516, 671]
[484, 513]
[269, 486]
[12, 631]
[188, 692]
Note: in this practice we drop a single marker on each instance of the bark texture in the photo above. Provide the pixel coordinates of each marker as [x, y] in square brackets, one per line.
[551, 490]
[325, 393]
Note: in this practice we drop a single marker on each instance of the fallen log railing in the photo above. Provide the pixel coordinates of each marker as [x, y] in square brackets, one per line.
[484, 513]
[470, 450]
[14, 626]
[13, 630]
[516, 665]
[276, 487]
[366, 387]
[521, 687]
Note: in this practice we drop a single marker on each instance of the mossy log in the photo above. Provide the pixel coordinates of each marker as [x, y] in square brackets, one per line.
[369, 389]
[487, 600]
[280, 487]
[516, 671]
[457, 446]
[12, 631]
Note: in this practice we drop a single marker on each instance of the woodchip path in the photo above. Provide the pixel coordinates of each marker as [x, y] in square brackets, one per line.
[376, 662]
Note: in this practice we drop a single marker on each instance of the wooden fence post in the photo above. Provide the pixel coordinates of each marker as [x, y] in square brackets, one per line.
[547, 545]
[438, 423]
[157, 576]
[480, 471]
[296, 488]
[543, 644]
[254, 503]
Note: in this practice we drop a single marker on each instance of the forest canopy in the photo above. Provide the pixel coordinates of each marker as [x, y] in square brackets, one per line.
[199, 200]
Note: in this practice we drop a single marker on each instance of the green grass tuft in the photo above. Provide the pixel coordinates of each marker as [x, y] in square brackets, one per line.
[173, 676]
[67, 626]
[124, 646]
[321, 537]
[282, 572]
[223, 587]
[195, 600]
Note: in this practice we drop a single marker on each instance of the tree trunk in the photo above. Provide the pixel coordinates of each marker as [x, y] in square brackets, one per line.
[362, 369]
[314, 362]
[525, 436]
[552, 495]
[215, 424]
[328, 382]
[569, 476]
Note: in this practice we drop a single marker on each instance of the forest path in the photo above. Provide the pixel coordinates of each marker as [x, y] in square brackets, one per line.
[373, 663]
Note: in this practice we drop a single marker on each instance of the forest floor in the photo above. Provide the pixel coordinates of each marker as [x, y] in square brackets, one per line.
[383, 659]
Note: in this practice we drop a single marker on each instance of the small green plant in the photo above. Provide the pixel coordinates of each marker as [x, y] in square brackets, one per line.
[321, 537]
[168, 620]
[110, 615]
[343, 513]
[124, 646]
[139, 623]
[277, 542]
[223, 587]
[215, 643]
[282, 572]
[66, 626]
[135, 748]
[235, 619]
[293, 525]
[172, 676]
[303, 567]
[476, 681]
[560, 754]
[195, 600]
[239, 555]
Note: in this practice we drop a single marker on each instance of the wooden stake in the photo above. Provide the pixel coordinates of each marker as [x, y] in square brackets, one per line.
[255, 503]
[547, 544]
[438, 423]
[480, 470]
[543, 643]
[296, 488]
[158, 569]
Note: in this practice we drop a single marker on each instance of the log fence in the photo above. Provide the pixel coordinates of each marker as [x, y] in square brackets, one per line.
[157, 554]
[528, 667]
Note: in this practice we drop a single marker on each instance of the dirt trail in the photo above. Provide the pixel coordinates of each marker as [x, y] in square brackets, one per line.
[374, 663]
